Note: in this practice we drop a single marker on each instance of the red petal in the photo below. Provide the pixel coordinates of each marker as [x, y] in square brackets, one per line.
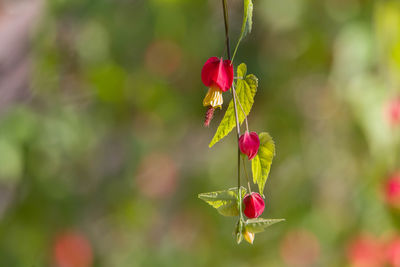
[210, 68]
[249, 144]
[254, 205]
[217, 72]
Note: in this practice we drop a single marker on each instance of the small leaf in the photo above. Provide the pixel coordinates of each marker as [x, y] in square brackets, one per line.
[261, 163]
[247, 18]
[225, 201]
[258, 225]
[247, 22]
[246, 88]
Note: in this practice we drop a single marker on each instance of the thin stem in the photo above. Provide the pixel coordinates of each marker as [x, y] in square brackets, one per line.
[245, 171]
[238, 136]
[236, 48]
[244, 113]
[224, 7]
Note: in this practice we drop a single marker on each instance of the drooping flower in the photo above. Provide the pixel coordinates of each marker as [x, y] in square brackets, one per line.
[249, 144]
[253, 205]
[217, 75]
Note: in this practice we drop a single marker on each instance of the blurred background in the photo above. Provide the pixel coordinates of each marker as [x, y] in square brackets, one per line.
[103, 153]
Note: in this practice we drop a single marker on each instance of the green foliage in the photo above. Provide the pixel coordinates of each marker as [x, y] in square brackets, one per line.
[11, 160]
[246, 88]
[247, 22]
[387, 30]
[258, 225]
[261, 163]
[225, 201]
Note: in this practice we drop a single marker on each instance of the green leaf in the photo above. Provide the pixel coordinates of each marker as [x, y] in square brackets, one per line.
[246, 88]
[261, 163]
[226, 201]
[258, 225]
[247, 22]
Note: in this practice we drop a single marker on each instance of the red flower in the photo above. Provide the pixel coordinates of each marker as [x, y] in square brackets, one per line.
[249, 144]
[393, 111]
[254, 205]
[392, 191]
[217, 74]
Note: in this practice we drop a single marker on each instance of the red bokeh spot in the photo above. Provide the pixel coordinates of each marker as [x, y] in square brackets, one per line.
[157, 176]
[71, 249]
[163, 57]
[366, 251]
[392, 190]
[393, 252]
[393, 111]
[300, 248]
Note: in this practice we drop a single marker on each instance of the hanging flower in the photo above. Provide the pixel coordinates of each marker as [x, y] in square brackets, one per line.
[254, 205]
[217, 74]
[249, 144]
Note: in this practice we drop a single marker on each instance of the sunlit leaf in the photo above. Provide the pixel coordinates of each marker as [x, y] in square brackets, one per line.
[225, 201]
[246, 88]
[258, 225]
[261, 163]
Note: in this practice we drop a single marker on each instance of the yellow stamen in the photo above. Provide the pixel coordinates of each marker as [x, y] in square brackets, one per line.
[213, 98]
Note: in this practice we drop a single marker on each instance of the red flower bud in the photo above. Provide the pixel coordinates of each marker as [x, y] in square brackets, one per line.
[392, 191]
[254, 205]
[249, 144]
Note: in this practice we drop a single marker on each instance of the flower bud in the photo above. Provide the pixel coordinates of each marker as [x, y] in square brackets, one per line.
[254, 205]
[239, 231]
[249, 144]
[248, 236]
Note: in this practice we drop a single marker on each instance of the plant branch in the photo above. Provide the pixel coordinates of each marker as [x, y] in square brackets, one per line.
[247, 177]
[244, 113]
[224, 7]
